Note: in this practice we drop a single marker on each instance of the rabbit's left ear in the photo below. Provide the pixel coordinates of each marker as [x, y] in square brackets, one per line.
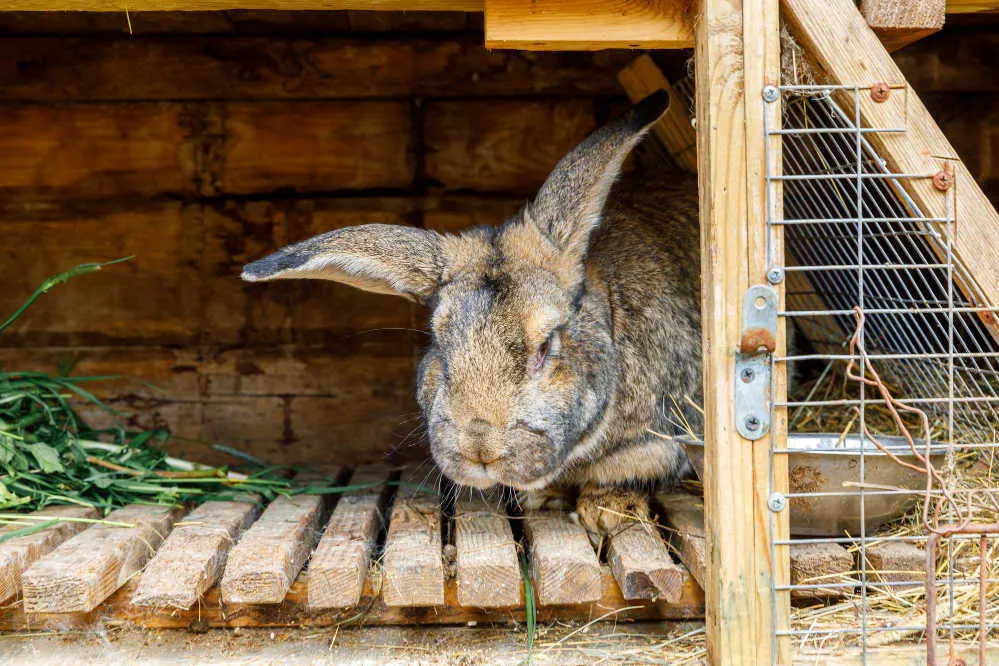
[383, 258]
[567, 208]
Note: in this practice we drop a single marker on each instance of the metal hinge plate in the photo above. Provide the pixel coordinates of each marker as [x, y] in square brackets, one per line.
[753, 362]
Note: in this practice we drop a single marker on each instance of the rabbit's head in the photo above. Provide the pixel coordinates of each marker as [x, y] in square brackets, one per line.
[522, 363]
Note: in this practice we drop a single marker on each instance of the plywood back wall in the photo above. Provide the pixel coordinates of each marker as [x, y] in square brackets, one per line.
[203, 141]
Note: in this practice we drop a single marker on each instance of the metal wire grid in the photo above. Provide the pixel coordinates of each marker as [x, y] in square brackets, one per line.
[861, 243]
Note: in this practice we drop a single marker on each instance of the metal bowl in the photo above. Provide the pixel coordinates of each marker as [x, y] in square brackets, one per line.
[825, 489]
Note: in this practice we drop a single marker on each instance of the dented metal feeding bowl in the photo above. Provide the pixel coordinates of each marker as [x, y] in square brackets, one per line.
[825, 481]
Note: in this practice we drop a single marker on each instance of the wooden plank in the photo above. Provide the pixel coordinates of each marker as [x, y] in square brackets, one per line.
[563, 565]
[836, 34]
[642, 565]
[311, 146]
[587, 24]
[901, 22]
[413, 564]
[489, 574]
[685, 514]
[211, 68]
[896, 562]
[501, 145]
[136, 6]
[83, 571]
[294, 611]
[819, 564]
[19, 553]
[339, 566]
[152, 300]
[642, 78]
[192, 558]
[737, 53]
[94, 150]
[263, 565]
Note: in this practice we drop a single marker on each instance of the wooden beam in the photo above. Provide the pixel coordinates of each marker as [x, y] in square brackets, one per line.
[413, 564]
[642, 78]
[737, 54]
[642, 564]
[847, 50]
[564, 567]
[19, 553]
[898, 23]
[489, 573]
[84, 571]
[265, 562]
[192, 558]
[587, 25]
[294, 611]
[340, 564]
[135, 6]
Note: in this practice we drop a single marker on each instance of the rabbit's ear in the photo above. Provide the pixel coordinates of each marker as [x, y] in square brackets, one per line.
[383, 258]
[567, 208]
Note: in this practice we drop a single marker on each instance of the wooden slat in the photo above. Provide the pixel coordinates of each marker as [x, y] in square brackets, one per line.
[85, 570]
[587, 24]
[901, 22]
[19, 553]
[211, 68]
[294, 611]
[819, 564]
[339, 566]
[835, 33]
[489, 573]
[226, 5]
[563, 564]
[685, 515]
[642, 565]
[192, 558]
[263, 565]
[737, 54]
[642, 78]
[412, 564]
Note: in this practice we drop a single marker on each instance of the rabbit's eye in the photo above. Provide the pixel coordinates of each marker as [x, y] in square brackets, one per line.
[542, 354]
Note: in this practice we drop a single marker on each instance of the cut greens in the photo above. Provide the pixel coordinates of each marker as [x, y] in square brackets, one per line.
[50, 455]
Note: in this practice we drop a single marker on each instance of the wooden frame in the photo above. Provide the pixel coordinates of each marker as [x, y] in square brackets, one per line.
[737, 55]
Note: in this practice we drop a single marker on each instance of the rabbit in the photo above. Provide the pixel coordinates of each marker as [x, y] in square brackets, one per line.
[559, 339]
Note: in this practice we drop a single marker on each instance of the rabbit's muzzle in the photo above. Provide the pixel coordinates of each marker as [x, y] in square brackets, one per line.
[482, 455]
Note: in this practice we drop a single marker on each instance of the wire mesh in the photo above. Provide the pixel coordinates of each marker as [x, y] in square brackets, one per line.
[896, 365]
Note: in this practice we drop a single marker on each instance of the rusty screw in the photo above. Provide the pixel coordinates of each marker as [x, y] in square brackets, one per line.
[880, 92]
[943, 179]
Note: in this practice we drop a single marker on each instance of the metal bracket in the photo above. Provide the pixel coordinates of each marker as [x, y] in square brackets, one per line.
[753, 363]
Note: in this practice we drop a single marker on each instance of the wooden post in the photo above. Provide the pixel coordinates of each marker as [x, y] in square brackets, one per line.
[737, 54]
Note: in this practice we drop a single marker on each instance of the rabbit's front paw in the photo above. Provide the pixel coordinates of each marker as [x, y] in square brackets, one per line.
[547, 499]
[605, 510]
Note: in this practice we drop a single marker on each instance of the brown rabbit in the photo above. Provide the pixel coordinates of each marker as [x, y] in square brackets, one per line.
[560, 338]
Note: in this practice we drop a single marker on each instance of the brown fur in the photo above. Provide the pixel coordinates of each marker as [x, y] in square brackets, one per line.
[606, 281]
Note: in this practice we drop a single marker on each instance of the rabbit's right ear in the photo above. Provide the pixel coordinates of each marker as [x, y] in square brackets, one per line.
[568, 207]
[383, 258]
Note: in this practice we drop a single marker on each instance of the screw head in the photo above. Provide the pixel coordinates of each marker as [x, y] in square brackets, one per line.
[775, 275]
[752, 423]
[747, 375]
[943, 179]
[777, 502]
[880, 92]
[770, 93]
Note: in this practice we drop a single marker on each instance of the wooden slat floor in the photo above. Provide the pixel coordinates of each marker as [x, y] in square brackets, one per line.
[332, 560]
